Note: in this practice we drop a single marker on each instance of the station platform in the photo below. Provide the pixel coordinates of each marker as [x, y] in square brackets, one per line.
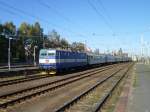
[17, 69]
[15, 66]
[4, 71]
[139, 99]
[135, 96]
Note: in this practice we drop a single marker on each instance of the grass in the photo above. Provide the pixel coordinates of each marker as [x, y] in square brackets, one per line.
[11, 78]
[112, 101]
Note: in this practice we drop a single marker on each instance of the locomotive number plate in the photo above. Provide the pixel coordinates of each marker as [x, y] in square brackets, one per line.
[47, 61]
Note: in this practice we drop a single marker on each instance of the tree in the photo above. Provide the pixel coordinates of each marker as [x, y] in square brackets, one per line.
[3, 46]
[78, 46]
[38, 33]
[31, 35]
[1, 28]
[9, 28]
[54, 40]
[24, 29]
[64, 43]
[37, 29]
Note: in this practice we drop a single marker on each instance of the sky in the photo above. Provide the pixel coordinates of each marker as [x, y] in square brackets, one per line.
[104, 24]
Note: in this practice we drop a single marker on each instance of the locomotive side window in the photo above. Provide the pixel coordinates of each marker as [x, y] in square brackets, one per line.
[51, 54]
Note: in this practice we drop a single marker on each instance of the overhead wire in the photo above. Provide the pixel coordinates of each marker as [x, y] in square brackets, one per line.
[13, 13]
[104, 9]
[100, 15]
[34, 17]
[100, 3]
[44, 4]
[22, 11]
[8, 11]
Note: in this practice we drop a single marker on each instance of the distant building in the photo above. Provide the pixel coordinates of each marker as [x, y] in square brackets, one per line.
[134, 58]
[120, 52]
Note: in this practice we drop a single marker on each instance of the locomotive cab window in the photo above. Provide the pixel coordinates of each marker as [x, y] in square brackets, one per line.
[43, 54]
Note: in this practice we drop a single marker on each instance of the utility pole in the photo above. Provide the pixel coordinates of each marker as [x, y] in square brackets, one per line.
[85, 46]
[9, 53]
[43, 38]
[34, 54]
[142, 46]
[9, 48]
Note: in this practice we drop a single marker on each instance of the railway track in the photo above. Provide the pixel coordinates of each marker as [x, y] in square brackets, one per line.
[17, 97]
[20, 80]
[92, 99]
[30, 78]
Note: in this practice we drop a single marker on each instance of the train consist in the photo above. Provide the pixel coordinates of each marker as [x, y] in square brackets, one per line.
[53, 60]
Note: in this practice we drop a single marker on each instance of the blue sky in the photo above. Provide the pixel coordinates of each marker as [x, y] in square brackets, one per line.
[118, 23]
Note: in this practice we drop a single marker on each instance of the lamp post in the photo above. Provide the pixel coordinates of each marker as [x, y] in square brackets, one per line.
[9, 37]
[9, 53]
[43, 41]
[34, 54]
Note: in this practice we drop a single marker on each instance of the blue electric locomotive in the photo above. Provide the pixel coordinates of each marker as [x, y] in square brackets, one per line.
[57, 60]
[53, 60]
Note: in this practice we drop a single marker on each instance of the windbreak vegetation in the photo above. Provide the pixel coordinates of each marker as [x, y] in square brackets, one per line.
[26, 37]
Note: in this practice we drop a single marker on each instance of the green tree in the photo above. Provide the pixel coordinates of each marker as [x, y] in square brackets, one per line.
[3, 46]
[9, 28]
[24, 29]
[38, 33]
[78, 46]
[54, 40]
[1, 28]
[31, 35]
[33, 32]
[64, 43]
[23, 33]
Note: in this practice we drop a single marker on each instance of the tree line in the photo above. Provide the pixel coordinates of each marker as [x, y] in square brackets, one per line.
[26, 37]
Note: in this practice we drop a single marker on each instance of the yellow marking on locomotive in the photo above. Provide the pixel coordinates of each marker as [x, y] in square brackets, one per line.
[52, 72]
[49, 72]
[43, 72]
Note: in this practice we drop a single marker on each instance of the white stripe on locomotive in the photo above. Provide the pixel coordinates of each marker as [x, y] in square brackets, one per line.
[44, 61]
